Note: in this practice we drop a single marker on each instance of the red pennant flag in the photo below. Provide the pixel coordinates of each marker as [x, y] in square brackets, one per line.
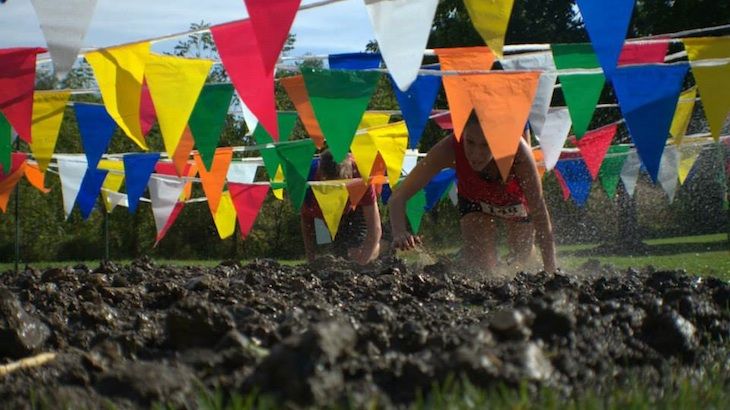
[563, 186]
[171, 220]
[147, 114]
[242, 60]
[444, 121]
[247, 199]
[356, 189]
[644, 53]
[17, 81]
[594, 145]
[271, 20]
[10, 179]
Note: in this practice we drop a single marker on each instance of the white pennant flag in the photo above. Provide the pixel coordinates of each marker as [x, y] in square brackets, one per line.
[409, 161]
[322, 234]
[71, 170]
[553, 136]
[454, 194]
[116, 199]
[544, 95]
[630, 172]
[248, 117]
[242, 172]
[402, 28]
[669, 171]
[64, 24]
[164, 194]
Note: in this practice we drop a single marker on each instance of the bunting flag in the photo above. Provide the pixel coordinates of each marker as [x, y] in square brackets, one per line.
[438, 187]
[137, 171]
[563, 186]
[64, 25]
[582, 91]
[119, 73]
[644, 53]
[298, 94]
[410, 161]
[594, 146]
[415, 208]
[321, 233]
[630, 172]
[648, 97]
[683, 114]
[391, 142]
[17, 81]
[182, 152]
[296, 158]
[251, 121]
[147, 114]
[668, 171]
[6, 145]
[36, 178]
[611, 168]
[373, 120]
[164, 194]
[239, 52]
[96, 128]
[190, 170]
[242, 173]
[71, 171]
[112, 183]
[9, 179]
[457, 89]
[286, 123]
[277, 184]
[402, 28]
[577, 178]
[356, 190]
[225, 216]
[247, 200]
[544, 95]
[48, 110]
[214, 180]
[89, 191]
[332, 199]
[339, 99]
[454, 194]
[416, 104]
[502, 102]
[712, 81]
[385, 194]
[364, 152]
[354, 61]
[170, 221]
[208, 117]
[271, 21]
[539, 157]
[175, 84]
[490, 19]
[607, 24]
[688, 157]
[553, 136]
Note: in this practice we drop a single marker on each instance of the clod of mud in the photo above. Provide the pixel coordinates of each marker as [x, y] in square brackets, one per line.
[20, 333]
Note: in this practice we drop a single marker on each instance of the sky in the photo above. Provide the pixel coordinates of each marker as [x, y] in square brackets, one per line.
[334, 28]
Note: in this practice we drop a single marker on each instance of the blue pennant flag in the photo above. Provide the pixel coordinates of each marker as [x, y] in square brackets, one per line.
[137, 171]
[579, 180]
[385, 194]
[607, 23]
[96, 128]
[648, 97]
[89, 190]
[416, 104]
[438, 187]
[354, 61]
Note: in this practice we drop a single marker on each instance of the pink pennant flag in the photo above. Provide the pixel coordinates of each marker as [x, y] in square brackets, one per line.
[17, 81]
[594, 145]
[271, 20]
[147, 114]
[247, 199]
[644, 53]
[444, 121]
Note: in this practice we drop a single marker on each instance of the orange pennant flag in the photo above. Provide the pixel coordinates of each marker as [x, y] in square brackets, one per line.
[36, 178]
[298, 94]
[356, 189]
[502, 102]
[214, 180]
[182, 152]
[539, 161]
[457, 90]
[8, 182]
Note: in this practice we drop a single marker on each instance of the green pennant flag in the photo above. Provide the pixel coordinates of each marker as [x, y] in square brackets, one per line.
[415, 208]
[581, 91]
[339, 99]
[208, 117]
[296, 159]
[6, 145]
[610, 172]
[286, 121]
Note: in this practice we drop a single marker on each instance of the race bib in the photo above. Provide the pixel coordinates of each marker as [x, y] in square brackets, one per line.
[508, 212]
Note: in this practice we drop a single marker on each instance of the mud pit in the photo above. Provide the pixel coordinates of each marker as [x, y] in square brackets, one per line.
[311, 335]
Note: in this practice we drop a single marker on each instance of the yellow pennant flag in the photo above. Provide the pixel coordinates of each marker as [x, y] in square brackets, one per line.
[225, 216]
[175, 84]
[120, 72]
[364, 152]
[682, 114]
[490, 19]
[112, 182]
[713, 81]
[373, 119]
[48, 109]
[279, 178]
[687, 156]
[392, 142]
[332, 198]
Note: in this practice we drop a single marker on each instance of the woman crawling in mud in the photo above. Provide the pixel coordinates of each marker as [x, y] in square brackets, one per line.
[483, 198]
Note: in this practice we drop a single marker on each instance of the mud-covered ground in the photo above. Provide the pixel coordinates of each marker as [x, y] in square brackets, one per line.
[314, 335]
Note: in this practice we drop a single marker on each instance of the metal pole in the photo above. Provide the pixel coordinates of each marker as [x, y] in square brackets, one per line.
[17, 215]
[106, 234]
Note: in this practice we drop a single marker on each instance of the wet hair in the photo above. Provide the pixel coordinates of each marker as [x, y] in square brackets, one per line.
[329, 169]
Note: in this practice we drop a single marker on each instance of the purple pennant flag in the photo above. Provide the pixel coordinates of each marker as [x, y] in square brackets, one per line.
[89, 190]
[577, 177]
[354, 61]
[416, 104]
[607, 23]
[96, 128]
[137, 171]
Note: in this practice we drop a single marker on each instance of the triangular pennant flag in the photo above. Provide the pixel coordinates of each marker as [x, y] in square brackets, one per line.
[490, 19]
[712, 80]
[182, 152]
[668, 171]
[402, 28]
[190, 170]
[372, 120]
[296, 159]
[563, 186]
[457, 89]
[36, 178]
[170, 221]
[175, 85]
[539, 157]
[96, 128]
[298, 94]
[64, 25]
[364, 150]
[594, 145]
[630, 172]
[286, 123]
[688, 156]
[438, 186]
[112, 183]
[502, 102]
[119, 73]
[644, 53]
[356, 190]
[443, 120]
[137, 171]
[17, 81]
[147, 114]
[242, 173]
[239, 52]
[71, 170]
[354, 61]
[416, 104]
[6, 145]
[277, 184]
[581, 91]
[214, 180]
[553, 136]
[208, 117]
[391, 142]
[251, 121]
[89, 190]
[9, 179]
[578, 179]
[648, 97]
[410, 161]
[247, 199]
[611, 168]
[683, 114]
[271, 21]
[607, 23]
[541, 104]
[339, 99]
[454, 194]
[332, 199]
[415, 208]
[164, 195]
[225, 216]
[48, 110]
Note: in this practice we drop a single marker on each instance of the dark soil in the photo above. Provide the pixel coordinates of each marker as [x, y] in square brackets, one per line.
[327, 333]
